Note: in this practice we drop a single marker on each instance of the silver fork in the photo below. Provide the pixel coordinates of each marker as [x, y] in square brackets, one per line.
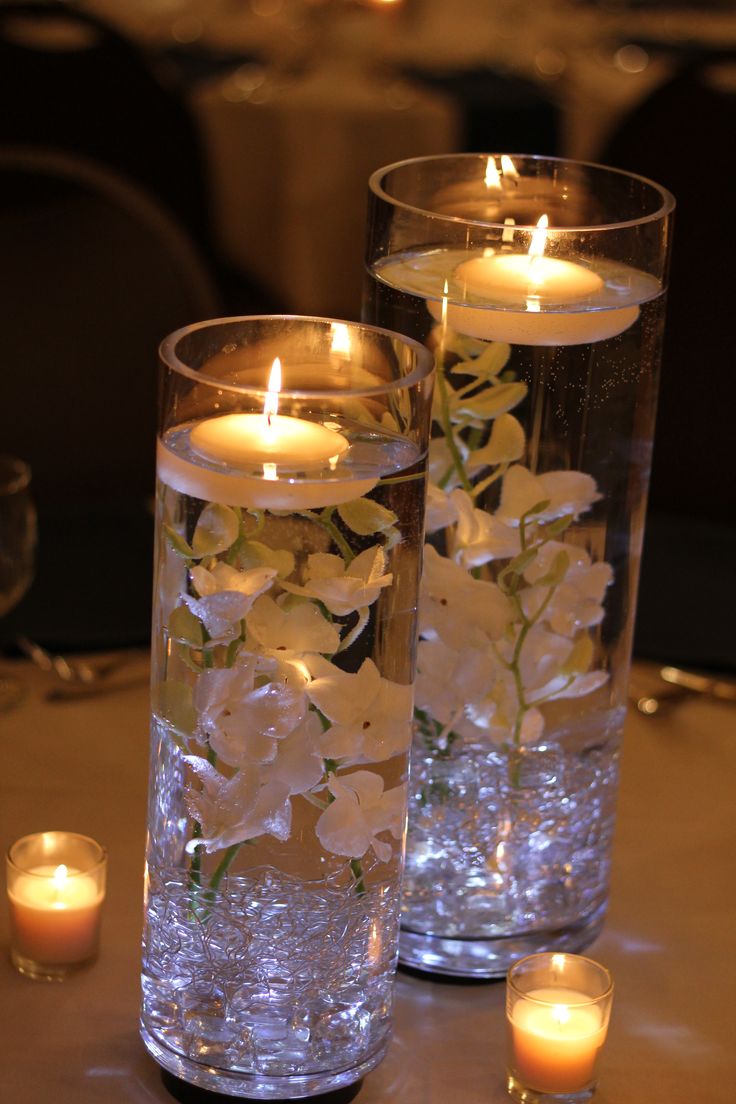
[72, 671]
[678, 684]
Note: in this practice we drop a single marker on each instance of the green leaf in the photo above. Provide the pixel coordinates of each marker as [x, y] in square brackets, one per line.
[216, 530]
[175, 707]
[537, 508]
[178, 543]
[559, 525]
[462, 345]
[505, 444]
[491, 361]
[365, 517]
[557, 571]
[520, 563]
[493, 401]
[256, 554]
[185, 627]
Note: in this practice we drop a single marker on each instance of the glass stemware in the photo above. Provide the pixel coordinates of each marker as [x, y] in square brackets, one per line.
[17, 550]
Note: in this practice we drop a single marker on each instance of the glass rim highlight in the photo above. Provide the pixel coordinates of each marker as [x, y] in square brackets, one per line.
[602, 971]
[667, 200]
[77, 837]
[423, 368]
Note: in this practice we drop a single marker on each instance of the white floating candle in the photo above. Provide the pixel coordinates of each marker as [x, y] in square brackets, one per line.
[532, 299]
[278, 445]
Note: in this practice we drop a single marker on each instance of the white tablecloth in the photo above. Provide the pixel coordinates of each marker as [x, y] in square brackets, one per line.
[668, 939]
[289, 166]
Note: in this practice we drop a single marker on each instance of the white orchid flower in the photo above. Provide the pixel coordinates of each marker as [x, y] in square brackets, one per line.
[567, 492]
[371, 716]
[440, 512]
[226, 596]
[231, 810]
[577, 602]
[298, 629]
[449, 683]
[298, 763]
[344, 588]
[244, 721]
[479, 536]
[351, 824]
[456, 607]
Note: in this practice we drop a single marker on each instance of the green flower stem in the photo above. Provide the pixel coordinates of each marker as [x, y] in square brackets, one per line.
[479, 488]
[325, 520]
[357, 868]
[389, 479]
[195, 872]
[221, 870]
[448, 430]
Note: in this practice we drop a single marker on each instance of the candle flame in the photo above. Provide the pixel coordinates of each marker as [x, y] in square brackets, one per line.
[507, 234]
[539, 238]
[340, 339]
[493, 177]
[560, 1013]
[271, 402]
[60, 876]
[508, 168]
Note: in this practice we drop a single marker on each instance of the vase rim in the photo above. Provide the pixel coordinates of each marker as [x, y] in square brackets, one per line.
[422, 369]
[665, 208]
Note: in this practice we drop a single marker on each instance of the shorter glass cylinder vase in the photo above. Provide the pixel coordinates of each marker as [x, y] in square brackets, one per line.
[291, 485]
[539, 284]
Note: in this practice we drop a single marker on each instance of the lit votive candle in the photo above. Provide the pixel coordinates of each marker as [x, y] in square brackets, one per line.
[56, 886]
[557, 1010]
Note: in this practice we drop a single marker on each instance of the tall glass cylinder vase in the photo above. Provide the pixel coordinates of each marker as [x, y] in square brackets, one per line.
[539, 284]
[290, 498]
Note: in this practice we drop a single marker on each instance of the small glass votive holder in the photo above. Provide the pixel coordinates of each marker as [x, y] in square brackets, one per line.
[56, 886]
[557, 1011]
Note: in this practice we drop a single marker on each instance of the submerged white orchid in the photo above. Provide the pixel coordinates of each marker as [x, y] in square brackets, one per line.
[506, 606]
[360, 812]
[242, 720]
[563, 492]
[262, 716]
[230, 810]
[297, 629]
[226, 596]
[344, 588]
[457, 608]
[370, 715]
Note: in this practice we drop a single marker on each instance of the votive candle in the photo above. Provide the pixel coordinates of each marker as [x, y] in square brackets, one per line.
[56, 886]
[557, 1009]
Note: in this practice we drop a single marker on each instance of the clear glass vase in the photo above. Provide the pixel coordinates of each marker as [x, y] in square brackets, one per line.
[539, 284]
[289, 526]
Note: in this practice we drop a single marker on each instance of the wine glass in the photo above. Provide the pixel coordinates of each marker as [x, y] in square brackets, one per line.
[17, 550]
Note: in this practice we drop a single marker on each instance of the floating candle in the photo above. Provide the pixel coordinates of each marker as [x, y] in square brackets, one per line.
[532, 299]
[280, 445]
[239, 440]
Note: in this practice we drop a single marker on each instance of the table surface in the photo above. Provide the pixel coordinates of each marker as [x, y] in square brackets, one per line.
[668, 940]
